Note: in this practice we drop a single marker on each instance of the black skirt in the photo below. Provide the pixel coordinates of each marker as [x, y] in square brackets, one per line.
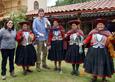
[56, 53]
[73, 56]
[98, 62]
[25, 55]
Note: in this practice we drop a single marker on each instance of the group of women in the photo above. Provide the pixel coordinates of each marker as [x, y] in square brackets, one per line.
[68, 46]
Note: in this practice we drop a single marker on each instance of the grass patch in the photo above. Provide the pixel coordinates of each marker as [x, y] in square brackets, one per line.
[50, 75]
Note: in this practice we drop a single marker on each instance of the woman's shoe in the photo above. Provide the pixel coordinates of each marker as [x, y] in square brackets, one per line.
[77, 73]
[13, 74]
[25, 72]
[3, 77]
[104, 80]
[93, 80]
[73, 73]
[56, 69]
[28, 70]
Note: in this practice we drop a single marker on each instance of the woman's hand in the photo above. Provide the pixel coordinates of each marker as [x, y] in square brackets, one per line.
[113, 33]
[80, 44]
[65, 35]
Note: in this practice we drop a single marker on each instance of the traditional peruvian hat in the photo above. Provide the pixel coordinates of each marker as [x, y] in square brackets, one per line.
[74, 22]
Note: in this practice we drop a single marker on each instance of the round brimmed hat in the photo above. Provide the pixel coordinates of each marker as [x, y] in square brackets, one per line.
[74, 22]
[56, 19]
[24, 22]
[100, 20]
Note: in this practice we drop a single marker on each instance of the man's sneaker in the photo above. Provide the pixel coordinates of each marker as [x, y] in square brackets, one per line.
[38, 69]
[60, 71]
[4, 77]
[45, 66]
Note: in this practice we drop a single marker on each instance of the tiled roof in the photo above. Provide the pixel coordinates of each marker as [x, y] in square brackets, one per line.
[102, 5]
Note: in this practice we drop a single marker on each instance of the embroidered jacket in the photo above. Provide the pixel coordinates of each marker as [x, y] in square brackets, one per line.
[55, 34]
[75, 37]
[100, 39]
[94, 36]
[25, 37]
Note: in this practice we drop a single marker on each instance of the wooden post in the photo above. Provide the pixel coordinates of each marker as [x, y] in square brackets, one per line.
[92, 22]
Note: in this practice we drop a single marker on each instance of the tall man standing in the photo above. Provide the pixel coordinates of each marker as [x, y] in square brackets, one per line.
[40, 29]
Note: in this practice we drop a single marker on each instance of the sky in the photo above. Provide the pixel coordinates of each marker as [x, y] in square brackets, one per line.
[51, 2]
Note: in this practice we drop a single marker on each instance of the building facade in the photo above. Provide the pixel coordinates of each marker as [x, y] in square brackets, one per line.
[87, 12]
[36, 4]
[9, 6]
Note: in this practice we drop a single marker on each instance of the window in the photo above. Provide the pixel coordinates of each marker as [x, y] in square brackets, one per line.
[19, 3]
[36, 5]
